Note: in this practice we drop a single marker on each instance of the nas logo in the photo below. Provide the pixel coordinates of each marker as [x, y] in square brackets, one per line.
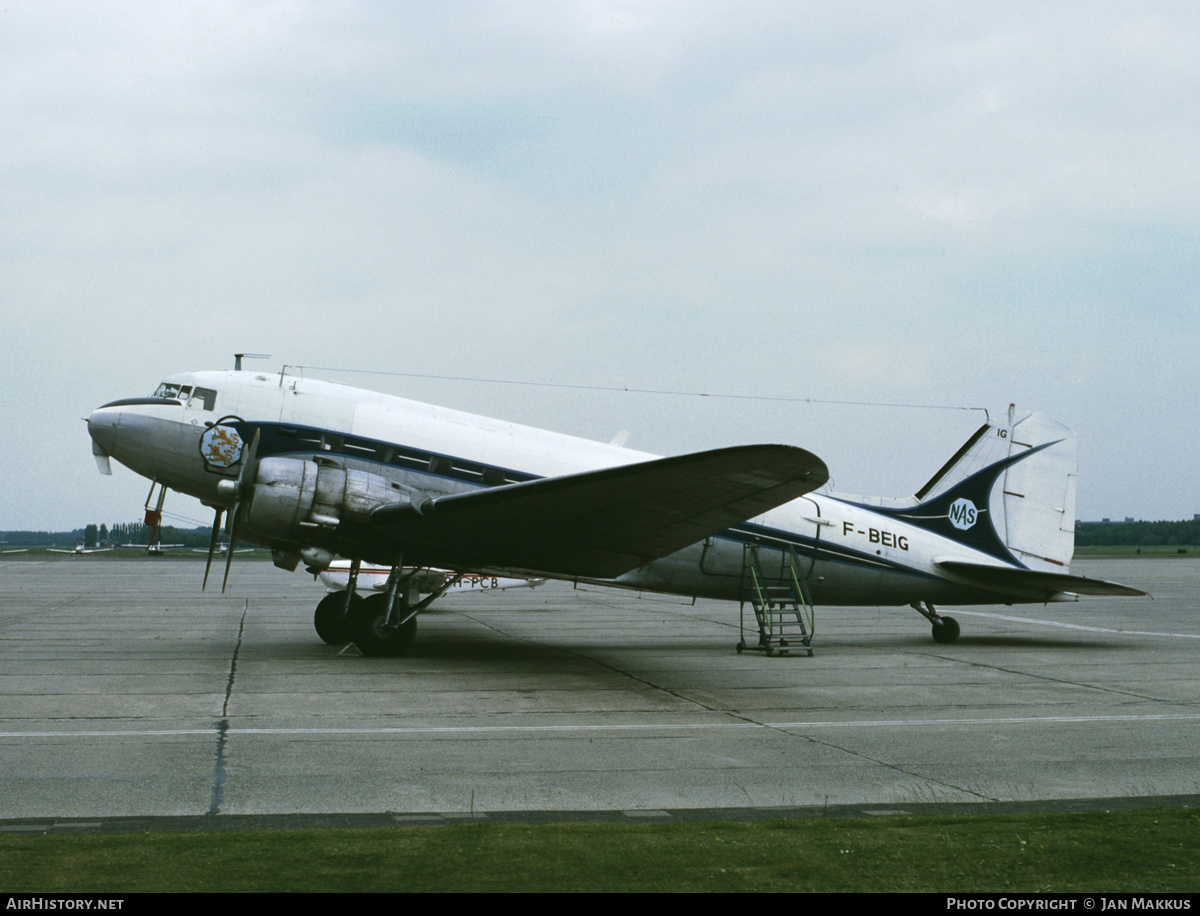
[220, 446]
[963, 514]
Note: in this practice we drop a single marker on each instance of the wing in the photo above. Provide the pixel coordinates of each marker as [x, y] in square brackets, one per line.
[1031, 582]
[603, 523]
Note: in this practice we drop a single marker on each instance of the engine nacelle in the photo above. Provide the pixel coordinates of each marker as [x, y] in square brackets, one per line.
[292, 496]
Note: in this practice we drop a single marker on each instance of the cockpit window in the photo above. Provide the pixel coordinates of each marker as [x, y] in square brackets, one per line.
[204, 397]
[176, 392]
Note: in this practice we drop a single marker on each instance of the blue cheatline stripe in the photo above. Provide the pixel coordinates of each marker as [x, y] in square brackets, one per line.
[281, 440]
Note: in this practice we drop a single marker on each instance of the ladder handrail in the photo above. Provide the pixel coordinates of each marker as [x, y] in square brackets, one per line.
[800, 582]
[757, 578]
[774, 605]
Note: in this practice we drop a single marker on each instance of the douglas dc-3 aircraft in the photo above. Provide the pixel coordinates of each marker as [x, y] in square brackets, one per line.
[312, 469]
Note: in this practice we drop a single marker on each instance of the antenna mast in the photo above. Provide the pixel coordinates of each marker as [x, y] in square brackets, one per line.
[237, 359]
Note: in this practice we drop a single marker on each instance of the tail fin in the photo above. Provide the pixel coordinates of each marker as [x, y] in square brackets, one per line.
[1009, 491]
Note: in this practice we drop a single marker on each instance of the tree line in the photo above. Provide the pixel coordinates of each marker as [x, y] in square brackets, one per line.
[108, 536]
[1138, 533]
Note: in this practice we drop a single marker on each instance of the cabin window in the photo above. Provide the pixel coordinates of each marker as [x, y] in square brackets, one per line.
[466, 471]
[361, 448]
[406, 459]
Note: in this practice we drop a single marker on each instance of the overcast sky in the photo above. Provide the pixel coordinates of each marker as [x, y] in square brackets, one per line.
[943, 204]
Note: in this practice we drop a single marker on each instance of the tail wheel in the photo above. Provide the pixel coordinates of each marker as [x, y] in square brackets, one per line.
[945, 630]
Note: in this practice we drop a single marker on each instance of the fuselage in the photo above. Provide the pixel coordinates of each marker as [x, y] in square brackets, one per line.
[192, 433]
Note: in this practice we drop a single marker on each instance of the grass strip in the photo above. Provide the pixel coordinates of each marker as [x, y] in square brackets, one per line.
[1141, 851]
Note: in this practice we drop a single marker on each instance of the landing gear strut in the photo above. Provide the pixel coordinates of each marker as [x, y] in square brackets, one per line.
[336, 610]
[385, 625]
[945, 629]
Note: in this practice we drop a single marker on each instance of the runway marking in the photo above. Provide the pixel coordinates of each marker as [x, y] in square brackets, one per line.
[1075, 626]
[627, 727]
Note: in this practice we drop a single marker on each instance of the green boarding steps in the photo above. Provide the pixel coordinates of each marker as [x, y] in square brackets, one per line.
[782, 605]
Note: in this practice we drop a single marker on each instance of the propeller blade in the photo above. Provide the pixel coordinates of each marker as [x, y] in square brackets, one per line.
[249, 466]
[212, 545]
[245, 483]
[234, 518]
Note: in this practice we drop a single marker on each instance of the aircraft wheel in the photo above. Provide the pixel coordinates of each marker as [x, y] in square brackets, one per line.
[372, 635]
[332, 625]
[945, 630]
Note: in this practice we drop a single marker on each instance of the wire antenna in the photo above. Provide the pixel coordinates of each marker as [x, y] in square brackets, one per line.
[655, 391]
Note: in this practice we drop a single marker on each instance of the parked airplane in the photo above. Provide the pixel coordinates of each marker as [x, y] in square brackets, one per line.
[331, 612]
[312, 469]
[336, 577]
[223, 549]
[79, 550]
[153, 550]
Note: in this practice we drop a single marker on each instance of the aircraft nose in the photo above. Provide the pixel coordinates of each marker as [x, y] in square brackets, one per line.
[102, 427]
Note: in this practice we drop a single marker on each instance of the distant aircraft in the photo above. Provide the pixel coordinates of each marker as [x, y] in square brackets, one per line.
[80, 550]
[336, 577]
[311, 469]
[154, 550]
[330, 615]
[223, 549]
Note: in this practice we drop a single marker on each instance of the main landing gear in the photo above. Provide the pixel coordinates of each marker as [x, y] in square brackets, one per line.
[383, 625]
[381, 628]
[945, 629]
[342, 618]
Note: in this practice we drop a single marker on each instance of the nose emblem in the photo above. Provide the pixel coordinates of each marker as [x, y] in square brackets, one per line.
[221, 446]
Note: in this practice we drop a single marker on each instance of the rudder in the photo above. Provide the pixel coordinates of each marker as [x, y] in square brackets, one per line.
[1009, 491]
[1033, 504]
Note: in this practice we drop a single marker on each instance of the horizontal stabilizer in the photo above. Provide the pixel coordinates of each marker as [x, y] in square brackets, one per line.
[607, 522]
[1032, 582]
